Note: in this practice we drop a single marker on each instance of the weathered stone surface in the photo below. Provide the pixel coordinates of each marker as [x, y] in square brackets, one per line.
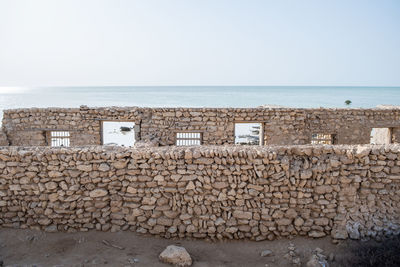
[339, 232]
[119, 164]
[51, 185]
[376, 168]
[242, 214]
[306, 174]
[176, 177]
[159, 178]
[352, 230]
[176, 255]
[98, 193]
[104, 167]
[316, 234]
[85, 168]
[362, 151]
[299, 221]
[220, 185]
[131, 190]
[321, 221]
[291, 213]
[190, 186]
[284, 221]
[44, 221]
[322, 189]
[53, 197]
[55, 174]
[247, 192]
[14, 187]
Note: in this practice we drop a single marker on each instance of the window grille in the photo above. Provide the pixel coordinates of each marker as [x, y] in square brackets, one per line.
[188, 139]
[322, 139]
[59, 138]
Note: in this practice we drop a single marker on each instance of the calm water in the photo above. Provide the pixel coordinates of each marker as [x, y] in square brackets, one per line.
[197, 96]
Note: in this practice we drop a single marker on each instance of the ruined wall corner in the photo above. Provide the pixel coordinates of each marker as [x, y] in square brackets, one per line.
[3, 139]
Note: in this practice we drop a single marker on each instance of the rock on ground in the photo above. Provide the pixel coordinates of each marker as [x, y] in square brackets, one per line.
[175, 255]
[266, 252]
[293, 255]
[317, 259]
[352, 230]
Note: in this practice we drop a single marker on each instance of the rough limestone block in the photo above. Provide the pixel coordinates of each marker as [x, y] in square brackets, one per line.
[175, 255]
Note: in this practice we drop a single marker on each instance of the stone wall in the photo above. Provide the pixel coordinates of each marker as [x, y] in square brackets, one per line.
[3, 139]
[396, 135]
[281, 126]
[217, 192]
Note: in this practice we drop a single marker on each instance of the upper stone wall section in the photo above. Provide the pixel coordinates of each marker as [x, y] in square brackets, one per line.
[281, 126]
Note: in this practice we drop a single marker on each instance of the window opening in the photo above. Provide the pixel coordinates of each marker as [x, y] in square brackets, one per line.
[248, 133]
[322, 139]
[118, 133]
[381, 136]
[59, 138]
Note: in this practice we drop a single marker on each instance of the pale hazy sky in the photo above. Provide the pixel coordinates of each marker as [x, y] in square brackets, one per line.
[199, 42]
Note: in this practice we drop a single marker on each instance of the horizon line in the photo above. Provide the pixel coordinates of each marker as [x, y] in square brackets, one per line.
[328, 86]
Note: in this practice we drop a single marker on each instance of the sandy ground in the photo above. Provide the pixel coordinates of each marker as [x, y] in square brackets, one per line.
[36, 248]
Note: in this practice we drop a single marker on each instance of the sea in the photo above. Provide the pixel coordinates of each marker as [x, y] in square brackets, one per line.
[198, 96]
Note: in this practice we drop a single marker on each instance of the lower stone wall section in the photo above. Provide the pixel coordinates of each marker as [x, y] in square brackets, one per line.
[220, 192]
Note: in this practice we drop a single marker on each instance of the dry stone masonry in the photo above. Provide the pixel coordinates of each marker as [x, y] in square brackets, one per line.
[281, 126]
[3, 139]
[216, 192]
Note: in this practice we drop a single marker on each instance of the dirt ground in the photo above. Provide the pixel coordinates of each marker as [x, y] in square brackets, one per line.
[36, 248]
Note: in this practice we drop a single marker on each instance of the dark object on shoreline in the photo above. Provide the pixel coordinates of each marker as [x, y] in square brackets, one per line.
[347, 102]
[125, 129]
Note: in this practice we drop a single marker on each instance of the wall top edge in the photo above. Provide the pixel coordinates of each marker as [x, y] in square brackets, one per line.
[135, 108]
[207, 149]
